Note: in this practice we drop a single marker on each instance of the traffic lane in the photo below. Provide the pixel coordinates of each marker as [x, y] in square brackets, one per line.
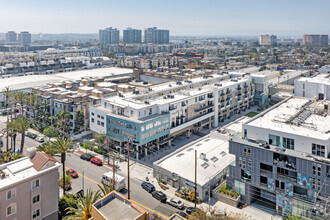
[94, 173]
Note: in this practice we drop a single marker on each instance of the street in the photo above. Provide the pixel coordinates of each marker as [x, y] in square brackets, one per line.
[93, 175]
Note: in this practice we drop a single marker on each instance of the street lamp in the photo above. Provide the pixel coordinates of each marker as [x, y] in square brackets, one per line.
[83, 180]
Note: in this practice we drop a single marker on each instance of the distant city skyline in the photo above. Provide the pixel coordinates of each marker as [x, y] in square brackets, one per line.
[182, 18]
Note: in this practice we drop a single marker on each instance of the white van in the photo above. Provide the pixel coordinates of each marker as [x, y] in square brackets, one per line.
[120, 182]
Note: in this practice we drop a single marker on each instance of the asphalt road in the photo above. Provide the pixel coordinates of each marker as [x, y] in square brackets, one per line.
[93, 175]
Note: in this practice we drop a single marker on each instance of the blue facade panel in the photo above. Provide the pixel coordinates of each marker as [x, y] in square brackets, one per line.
[141, 132]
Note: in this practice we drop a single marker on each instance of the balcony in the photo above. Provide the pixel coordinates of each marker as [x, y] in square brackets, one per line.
[245, 86]
[239, 88]
[201, 98]
[210, 96]
[203, 108]
[172, 108]
[266, 173]
[239, 94]
[222, 100]
[228, 91]
[222, 94]
[285, 178]
[304, 198]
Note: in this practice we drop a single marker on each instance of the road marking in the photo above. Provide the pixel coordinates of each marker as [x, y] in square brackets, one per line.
[149, 209]
[130, 199]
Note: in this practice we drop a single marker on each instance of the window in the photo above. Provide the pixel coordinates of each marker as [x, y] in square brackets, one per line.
[11, 209]
[102, 124]
[36, 213]
[11, 193]
[242, 162]
[92, 113]
[288, 143]
[36, 199]
[92, 120]
[318, 150]
[250, 164]
[247, 151]
[274, 140]
[98, 122]
[35, 183]
[240, 187]
[98, 116]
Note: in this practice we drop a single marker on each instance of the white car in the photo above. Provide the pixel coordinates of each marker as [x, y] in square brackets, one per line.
[40, 139]
[176, 203]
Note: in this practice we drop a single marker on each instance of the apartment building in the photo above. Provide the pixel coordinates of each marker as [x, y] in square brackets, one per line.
[24, 38]
[321, 40]
[282, 159]
[267, 39]
[11, 37]
[152, 116]
[156, 36]
[29, 188]
[109, 36]
[315, 87]
[132, 36]
[69, 52]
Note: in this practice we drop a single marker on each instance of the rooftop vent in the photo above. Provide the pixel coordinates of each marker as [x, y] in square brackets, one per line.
[179, 155]
[202, 156]
[214, 159]
[205, 165]
[222, 153]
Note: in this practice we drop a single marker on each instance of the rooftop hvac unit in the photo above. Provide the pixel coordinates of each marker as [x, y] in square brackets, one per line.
[202, 156]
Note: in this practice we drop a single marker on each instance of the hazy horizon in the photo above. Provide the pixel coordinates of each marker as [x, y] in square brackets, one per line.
[209, 18]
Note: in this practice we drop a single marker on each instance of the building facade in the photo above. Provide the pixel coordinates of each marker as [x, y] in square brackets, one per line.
[316, 40]
[11, 37]
[132, 35]
[282, 159]
[267, 39]
[156, 36]
[153, 116]
[24, 38]
[29, 188]
[315, 87]
[109, 36]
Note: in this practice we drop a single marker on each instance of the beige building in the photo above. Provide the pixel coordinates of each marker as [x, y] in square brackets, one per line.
[267, 39]
[29, 188]
[116, 206]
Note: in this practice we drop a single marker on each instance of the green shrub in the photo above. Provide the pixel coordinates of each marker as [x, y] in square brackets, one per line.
[230, 193]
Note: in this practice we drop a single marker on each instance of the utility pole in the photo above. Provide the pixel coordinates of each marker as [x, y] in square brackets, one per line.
[128, 181]
[114, 173]
[195, 178]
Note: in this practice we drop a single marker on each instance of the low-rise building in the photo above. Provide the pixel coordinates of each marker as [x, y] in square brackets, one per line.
[314, 87]
[29, 188]
[116, 206]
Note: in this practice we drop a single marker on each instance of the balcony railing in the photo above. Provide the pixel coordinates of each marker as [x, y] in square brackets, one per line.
[203, 108]
[266, 172]
[286, 178]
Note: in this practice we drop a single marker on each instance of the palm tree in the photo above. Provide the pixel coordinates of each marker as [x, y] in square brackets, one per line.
[20, 98]
[62, 145]
[22, 125]
[7, 91]
[32, 100]
[84, 210]
[11, 130]
[105, 189]
[47, 148]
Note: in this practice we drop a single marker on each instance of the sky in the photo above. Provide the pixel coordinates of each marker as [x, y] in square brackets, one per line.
[181, 17]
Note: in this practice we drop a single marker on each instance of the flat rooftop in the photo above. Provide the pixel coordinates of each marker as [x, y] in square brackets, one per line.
[23, 82]
[296, 115]
[114, 206]
[217, 158]
[321, 78]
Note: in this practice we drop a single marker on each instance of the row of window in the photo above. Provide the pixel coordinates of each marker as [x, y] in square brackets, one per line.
[98, 122]
[287, 143]
[242, 163]
[12, 208]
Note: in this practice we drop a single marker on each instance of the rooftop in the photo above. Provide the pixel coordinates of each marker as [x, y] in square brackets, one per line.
[296, 115]
[18, 170]
[212, 157]
[115, 206]
[320, 78]
[23, 82]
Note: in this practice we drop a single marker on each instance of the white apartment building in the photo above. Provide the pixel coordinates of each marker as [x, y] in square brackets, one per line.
[153, 116]
[29, 188]
[267, 39]
[314, 87]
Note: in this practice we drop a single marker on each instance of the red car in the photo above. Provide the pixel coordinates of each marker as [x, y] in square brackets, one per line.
[96, 161]
[72, 173]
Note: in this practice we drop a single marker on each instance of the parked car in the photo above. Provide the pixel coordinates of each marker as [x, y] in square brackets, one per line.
[160, 196]
[190, 210]
[96, 161]
[176, 203]
[40, 139]
[148, 187]
[183, 214]
[87, 157]
[72, 173]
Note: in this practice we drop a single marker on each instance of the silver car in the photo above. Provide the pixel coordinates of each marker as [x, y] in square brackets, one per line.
[176, 203]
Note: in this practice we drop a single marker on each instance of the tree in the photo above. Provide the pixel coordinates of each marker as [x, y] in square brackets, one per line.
[84, 210]
[7, 91]
[20, 98]
[67, 179]
[8, 156]
[79, 121]
[64, 203]
[63, 122]
[47, 148]
[50, 132]
[191, 195]
[62, 145]
[32, 102]
[23, 125]
[105, 189]
[292, 217]
[11, 130]
[100, 139]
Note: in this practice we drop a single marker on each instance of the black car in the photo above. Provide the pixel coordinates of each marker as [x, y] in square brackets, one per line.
[87, 157]
[159, 196]
[183, 214]
[190, 210]
[148, 187]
